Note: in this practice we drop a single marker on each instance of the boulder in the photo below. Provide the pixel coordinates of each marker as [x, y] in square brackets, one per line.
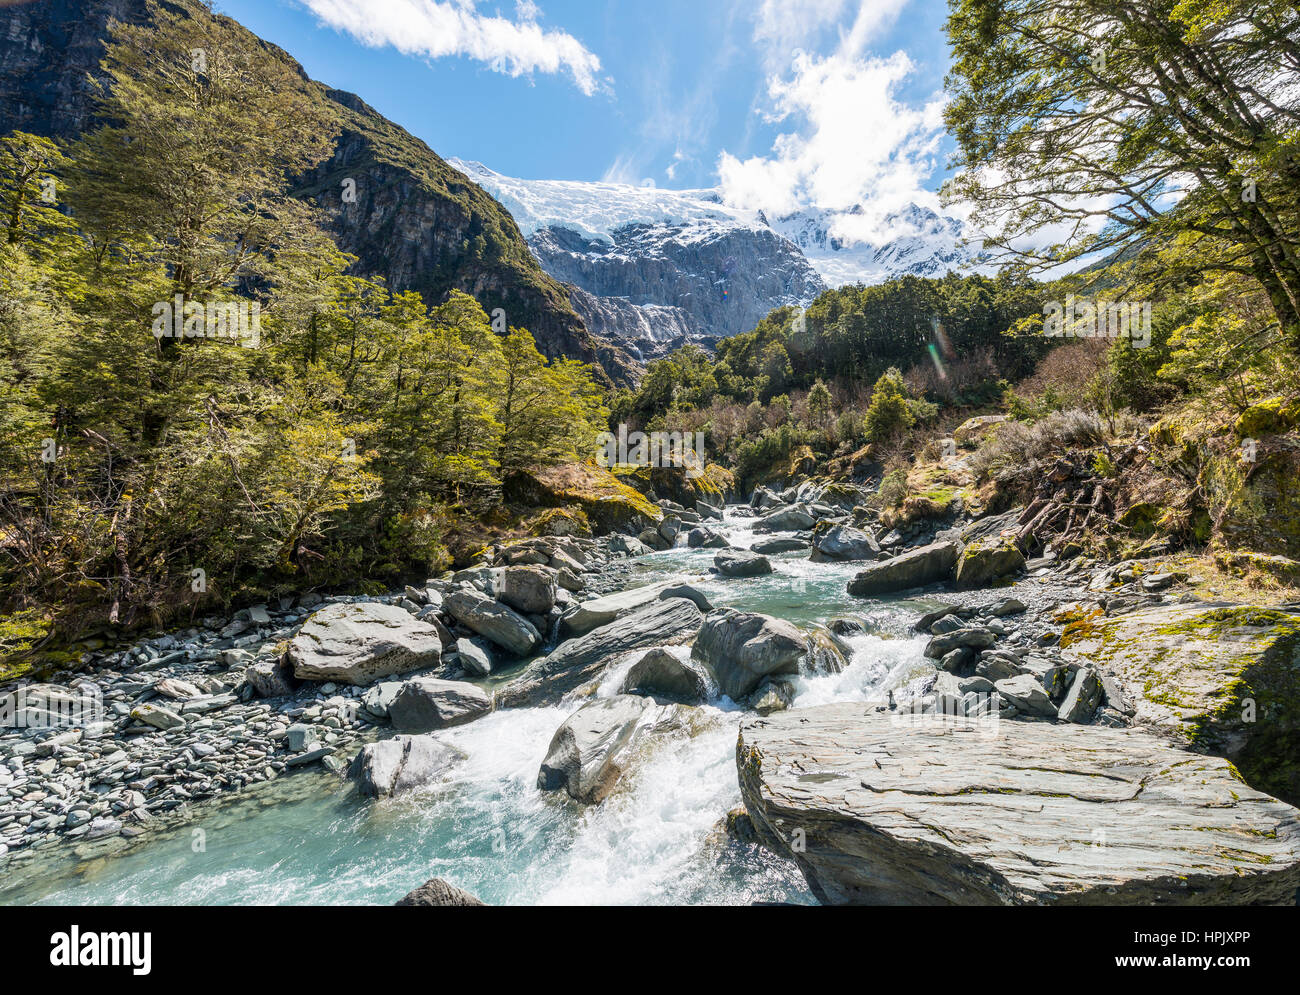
[609, 504]
[1026, 695]
[779, 544]
[742, 648]
[843, 542]
[661, 674]
[355, 643]
[741, 563]
[786, 519]
[394, 765]
[925, 810]
[436, 891]
[157, 716]
[1083, 697]
[379, 697]
[494, 621]
[426, 704]
[706, 538]
[987, 560]
[590, 751]
[686, 591]
[972, 430]
[601, 611]
[653, 540]
[915, 568]
[473, 659]
[528, 589]
[577, 661]
[269, 679]
[1221, 679]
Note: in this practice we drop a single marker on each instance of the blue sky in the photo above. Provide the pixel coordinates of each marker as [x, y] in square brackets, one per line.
[784, 103]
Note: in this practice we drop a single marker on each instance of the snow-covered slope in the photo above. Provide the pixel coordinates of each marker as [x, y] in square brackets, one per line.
[698, 268]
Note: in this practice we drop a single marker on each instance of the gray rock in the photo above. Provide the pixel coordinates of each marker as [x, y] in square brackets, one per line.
[661, 674]
[706, 538]
[157, 716]
[743, 648]
[930, 812]
[528, 589]
[915, 568]
[972, 636]
[779, 544]
[493, 620]
[843, 542]
[1083, 697]
[686, 591]
[473, 658]
[302, 737]
[788, 519]
[741, 563]
[425, 704]
[1027, 695]
[547, 680]
[377, 699]
[436, 891]
[391, 766]
[592, 614]
[355, 643]
[590, 751]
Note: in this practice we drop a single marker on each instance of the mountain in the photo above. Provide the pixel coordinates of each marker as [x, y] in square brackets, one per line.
[417, 222]
[654, 267]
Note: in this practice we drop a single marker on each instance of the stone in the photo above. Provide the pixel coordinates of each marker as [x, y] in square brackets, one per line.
[378, 698]
[157, 716]
[494, 621]
[661, 674]
[915, 568]
[528, 589]
[436, 891]
[547, 680]
[686, 591]
[356, 643]
[592, 614]
[972, 430]
[772, 696]
[300, 737]
[843, 542]
[775, 545]
[741, 563]
[706, 538]
[787, 519]
[392, 766]
[926, 810]
[425, 704]
[594, 746]
[988, 560]
[972, 636]
[473, 659]
[1083, 697]
[741, 649]
[1221, 679]
[1026, 695]
[270, 679]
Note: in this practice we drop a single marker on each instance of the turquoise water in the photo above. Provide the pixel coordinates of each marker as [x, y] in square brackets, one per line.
[654, 840]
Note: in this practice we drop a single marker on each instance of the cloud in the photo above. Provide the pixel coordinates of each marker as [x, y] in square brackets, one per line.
[434, 29]
[854, 143]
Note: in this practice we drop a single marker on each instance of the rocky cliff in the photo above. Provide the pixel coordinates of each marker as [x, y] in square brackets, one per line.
[415, 221]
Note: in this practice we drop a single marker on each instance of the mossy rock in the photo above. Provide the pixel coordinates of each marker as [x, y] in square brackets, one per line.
[561, 522]
[1220, 680]
[1141, 518]
[712, 484]
[988, 560]
[972, 431]
[609, 504]
[1281, 568]
[1277, 414]
[1255, 505]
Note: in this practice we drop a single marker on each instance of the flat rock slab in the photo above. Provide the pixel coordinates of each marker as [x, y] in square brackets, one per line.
[355, 643]
[915, 568]
[937, 810]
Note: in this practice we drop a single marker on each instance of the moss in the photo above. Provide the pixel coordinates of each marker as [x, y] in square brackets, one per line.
[561, 522]
[1277, 414]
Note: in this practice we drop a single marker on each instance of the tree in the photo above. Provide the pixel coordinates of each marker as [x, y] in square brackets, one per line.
[1121, 123]
[889, 413]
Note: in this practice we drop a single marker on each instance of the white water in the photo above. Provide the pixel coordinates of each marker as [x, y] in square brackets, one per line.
[491, 831]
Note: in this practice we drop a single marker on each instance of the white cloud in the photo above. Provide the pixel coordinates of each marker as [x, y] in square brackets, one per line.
[855, 143]
[438, 28]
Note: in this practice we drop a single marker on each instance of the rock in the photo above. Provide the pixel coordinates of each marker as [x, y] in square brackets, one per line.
[628, 544]
[394, 765]
[590, 751]
[661, 674]
[355, 643]
[1216, 679]
[528, 589]
[426, 704]
[669, 529]
[772, 696]
[609, 504]
[1026, 695]
[705, 538]
[573, 663]
[686, 591]
[987, 560]
[779, 545]
[741, 563]
[270, 679]
[925, 811]
[1007, 606]
[743, 648]
[473, 659]
[171, 687]
[915, 568]
[378, 698]
[601, 611]
[1083, 697]
[972, 636]
[843, 542]
[827, 654]
[157, 716]
[436, 891]
[972, 430]
[740, 827]
[302, 737]
[494, 621]
[788, 519]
